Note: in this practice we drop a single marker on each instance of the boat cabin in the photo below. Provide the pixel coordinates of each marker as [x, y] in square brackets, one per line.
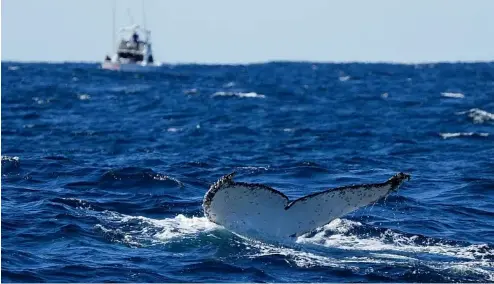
[131, 49]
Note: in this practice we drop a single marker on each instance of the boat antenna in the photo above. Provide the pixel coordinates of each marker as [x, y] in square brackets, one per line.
[113, 24]
[144, 20]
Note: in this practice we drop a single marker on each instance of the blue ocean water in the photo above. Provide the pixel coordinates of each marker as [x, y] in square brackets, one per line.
[103, 173]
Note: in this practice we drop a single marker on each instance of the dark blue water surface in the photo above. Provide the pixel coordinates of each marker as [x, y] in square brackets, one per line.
[103, 173]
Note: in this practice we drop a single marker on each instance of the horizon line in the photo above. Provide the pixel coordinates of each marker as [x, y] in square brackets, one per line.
[390, 62]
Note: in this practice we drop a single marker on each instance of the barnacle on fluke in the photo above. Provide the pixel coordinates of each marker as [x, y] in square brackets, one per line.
[258, 210]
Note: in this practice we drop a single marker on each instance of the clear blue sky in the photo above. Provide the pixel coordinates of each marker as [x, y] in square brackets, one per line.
[239, 31]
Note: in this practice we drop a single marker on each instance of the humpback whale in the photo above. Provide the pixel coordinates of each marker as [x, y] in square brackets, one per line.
[259, 211]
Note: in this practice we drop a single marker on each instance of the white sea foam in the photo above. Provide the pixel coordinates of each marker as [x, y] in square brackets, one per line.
[84, 97]
[39, 100]
[10, 159]
[344, 78]
[163, 230]
[192, 91]
[453, 95]
[478, 115]
[229, 85]
[299, 258]
[239, 94]
[390, 247]
[253, 169]
[172, 129]
[162, 177]
[462, 134]
[335, 235]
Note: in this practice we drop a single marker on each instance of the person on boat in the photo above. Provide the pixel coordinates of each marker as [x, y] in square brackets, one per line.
[135, 38]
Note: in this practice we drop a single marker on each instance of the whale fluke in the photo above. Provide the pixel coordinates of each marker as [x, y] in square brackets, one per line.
[258, 210]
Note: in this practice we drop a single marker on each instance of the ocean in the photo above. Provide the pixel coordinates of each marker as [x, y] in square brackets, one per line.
[103, 173]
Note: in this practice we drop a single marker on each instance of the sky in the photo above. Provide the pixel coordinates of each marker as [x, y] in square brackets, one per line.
[244, 31]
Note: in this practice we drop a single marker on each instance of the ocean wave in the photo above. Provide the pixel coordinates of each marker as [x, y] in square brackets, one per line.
[134, 176]
[341, 244]
[129, 177]
[253, 169]
[453, 95]
[478, 116]
[10, 159]
[76, 203]
[462, 134]
[341, 234]
[229, 84]
[181, 226]
[173, 129]
[10, 164]
[362, 254]
[84, 97]
[142, 231]
[344, 78]
[42, 101]
[192, 91]
[239, 94]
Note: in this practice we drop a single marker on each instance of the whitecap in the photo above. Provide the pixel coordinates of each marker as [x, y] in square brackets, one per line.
[139, 231]
[192, 91]
[239, 94]
[229, 85]
[462, 134]
[13, 68]
[181, 226]
[469, 269]
[453, 95]
[344, 78]
[83, 97]
[172, 129]
[10, 159]
[166, 229]
[39, 100]
[253, 168]
[478, 115]
[162, 177]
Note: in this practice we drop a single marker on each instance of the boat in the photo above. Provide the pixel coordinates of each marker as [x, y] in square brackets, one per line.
[132, 53]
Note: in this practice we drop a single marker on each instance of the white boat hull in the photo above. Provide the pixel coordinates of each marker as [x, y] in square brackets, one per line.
[130, 67]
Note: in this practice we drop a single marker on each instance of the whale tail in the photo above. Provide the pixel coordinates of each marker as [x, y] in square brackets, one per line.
[258, 210]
